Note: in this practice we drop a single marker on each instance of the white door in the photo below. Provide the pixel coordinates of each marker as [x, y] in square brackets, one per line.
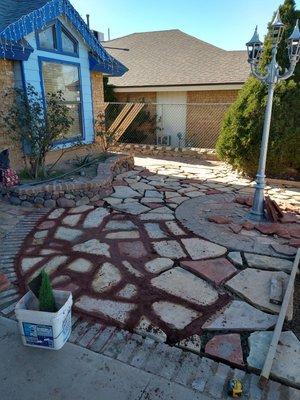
[171, 113]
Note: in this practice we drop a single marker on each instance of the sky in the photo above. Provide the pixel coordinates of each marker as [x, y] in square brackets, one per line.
[228, 24]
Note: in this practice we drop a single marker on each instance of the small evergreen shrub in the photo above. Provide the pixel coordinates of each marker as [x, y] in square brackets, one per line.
[46, 297]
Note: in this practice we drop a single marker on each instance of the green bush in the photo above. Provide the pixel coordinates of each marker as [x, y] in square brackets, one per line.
[240, 138]
[46, 297]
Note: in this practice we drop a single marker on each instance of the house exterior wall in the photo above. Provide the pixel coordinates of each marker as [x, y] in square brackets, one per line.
[140, 97]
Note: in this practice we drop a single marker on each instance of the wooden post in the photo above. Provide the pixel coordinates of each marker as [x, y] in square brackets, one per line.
[265, 373]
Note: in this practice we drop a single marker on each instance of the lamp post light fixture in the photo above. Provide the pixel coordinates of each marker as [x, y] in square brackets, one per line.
[270, 77]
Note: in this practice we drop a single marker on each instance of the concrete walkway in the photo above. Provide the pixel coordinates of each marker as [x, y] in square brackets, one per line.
[75, 373]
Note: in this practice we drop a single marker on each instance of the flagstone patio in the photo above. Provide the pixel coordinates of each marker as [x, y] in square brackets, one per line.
[132, 263]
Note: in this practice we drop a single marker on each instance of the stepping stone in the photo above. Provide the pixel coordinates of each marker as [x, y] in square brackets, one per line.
[128, 291]
[185, 285]
[81, 265]
[95, 218]
[67, 234]
[113, 200]
[123, 192]
[286, 364]
[175, 315]
[192, 343]
[80, 209]
[226, 347]
[71, 220]
[285, 250]
[132, 249]
[162, 210]
[54, 263]
[56, 213]
[236, 258]
[93, 246]
[169, 249]
[107, 276]
[118, 311]
[153, 193]
[200, 249]
[132, 208]
[149, 200]
[141, 187]
[240, 316]
[123, 235]
[145, 328]
[174, 228]
[30, 262]
[131, 269]
[268, 263]
[47, 225]
[159, 265]
[217, 270]
[153, 216]
[120, 225]
[178, 200]
[47, 252]
[154, 231]
[253, 285]
[41, 234]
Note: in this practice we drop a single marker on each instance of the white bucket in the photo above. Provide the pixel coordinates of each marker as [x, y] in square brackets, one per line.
[45, 329]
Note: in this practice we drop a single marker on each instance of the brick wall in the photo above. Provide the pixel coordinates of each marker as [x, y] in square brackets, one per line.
[6, 83]
[203, 123]
[136, 97]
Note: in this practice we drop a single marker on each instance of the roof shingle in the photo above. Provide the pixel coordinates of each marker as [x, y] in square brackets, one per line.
[170, 58]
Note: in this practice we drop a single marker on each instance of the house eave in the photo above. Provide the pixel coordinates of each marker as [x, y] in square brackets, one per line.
[179, 88]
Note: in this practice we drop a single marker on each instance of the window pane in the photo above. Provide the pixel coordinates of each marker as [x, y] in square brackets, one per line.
[47, 38]
[68, 44]
[65, 77]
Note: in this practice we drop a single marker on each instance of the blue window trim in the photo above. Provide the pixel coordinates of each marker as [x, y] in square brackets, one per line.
[78, 65]
[59, 27]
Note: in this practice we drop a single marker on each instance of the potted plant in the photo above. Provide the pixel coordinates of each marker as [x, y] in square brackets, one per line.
[44, 314]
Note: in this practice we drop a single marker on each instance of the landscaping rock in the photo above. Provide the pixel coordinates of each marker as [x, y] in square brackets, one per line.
[65, 203]
[185, 285]
[200, 249]
[174, 314]
[286, 364]
[240, 316]
[84, 200]
[268, 263]
[226, 347]
[217, 270]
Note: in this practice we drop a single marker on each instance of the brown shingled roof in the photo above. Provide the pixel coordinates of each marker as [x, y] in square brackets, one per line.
[169, 58]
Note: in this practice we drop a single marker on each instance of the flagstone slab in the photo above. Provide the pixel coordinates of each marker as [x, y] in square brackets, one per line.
[113, 200]
[152, 216]
[56, 213]
[240, 316]
[141, 187]
[128, 291]
[175, 315]
[146, 328]
[254, 286]
[81, 265]
[68, 234]
[29, 262]
[226, 347]
[268, 263]
[107, 276]
[95, 218]
[236, 258]
[150, 200]
[174, 228]
[192, 343]
[169, 249]
[123, 235]
[216, 270]
[159, 265]
[131, 269]
[47, 225]
[153, 193]
[162, 210]
[118, 311]
[123, 192]
[134, 249]
[132, 208]
[185, 285]
[93, 246]
[120, 225]
[286, 364]
[80, 209]
[200, 249]
[71, 220]
[154, 231]
[41, 234]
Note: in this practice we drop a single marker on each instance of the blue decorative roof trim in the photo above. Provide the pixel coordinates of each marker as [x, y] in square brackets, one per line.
[15, 51]
[40, 17]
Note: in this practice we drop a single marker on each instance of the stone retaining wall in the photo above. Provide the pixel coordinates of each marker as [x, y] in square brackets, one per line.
[71, 194]
[153, 150]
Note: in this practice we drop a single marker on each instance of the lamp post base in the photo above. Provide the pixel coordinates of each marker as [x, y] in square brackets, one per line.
[256, 216]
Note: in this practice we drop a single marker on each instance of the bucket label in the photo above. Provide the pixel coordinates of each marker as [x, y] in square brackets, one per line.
[38, 335]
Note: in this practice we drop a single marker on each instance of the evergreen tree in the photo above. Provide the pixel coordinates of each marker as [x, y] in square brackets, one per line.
[46, 297]
[239, 142]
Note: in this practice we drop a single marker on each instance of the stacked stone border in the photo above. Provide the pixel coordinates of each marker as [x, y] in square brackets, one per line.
[71, 194]
[155, 150]
[173, 363]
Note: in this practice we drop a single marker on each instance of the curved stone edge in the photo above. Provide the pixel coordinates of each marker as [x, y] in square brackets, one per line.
[60, 194]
